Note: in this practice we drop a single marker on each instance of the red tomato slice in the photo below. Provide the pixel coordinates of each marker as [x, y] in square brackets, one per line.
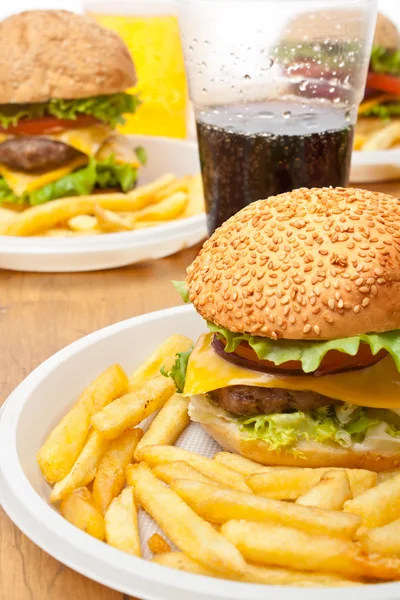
[48, 124]
[385, 83]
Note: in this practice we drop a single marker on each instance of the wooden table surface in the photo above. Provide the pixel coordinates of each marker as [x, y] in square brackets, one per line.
[40, 314]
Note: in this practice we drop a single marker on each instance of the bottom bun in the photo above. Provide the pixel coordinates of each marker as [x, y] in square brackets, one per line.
[313, 454]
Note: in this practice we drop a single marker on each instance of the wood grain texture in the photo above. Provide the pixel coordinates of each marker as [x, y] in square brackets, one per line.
[40, 314]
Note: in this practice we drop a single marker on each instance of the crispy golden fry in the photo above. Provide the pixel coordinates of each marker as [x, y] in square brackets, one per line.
[121, 523]
[379, 505]
[61, 449]
[168, 424]
[359, 141]
[159, 455]
[180, 185]
[63, 232]
[111, 222]
[385, 138]
[385, 475]
[163, 356]
[7, 217]
[157, 544]
[292, 482]
[169, 208]
[46, 216]
[185, 529]
[220, 505]
[254, 573]
[131, 409]
[293, 549]
[79, 510]
[84, 469]
[330, 493]
[83, 223]
[383, 540]
[196, 203]
[181, 470]
[110, 476]
[242, 465]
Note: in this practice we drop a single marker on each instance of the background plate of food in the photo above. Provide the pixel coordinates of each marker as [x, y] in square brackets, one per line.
[377, 135]
[67, 177]
[122, 478]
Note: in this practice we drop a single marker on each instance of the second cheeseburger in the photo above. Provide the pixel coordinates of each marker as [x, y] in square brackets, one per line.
[301, 294]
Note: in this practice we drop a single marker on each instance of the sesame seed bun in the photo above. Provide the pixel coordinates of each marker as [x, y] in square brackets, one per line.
[313, 454]
[309, 264]
[386, 33]
[48, 54]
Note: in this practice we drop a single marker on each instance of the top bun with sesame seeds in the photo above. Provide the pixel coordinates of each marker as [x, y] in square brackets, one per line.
[46, 54]
[311, 264]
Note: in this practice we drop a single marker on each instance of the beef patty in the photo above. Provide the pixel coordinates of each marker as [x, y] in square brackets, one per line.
[31, 153]
[248, 400]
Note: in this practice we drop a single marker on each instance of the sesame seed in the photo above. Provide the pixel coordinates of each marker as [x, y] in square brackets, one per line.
[357, 308]
[307, 328]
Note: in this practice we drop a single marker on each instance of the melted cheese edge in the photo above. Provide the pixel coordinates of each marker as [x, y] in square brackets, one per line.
[377, 386]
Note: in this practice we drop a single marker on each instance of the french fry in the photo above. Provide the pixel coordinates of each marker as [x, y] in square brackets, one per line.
[293, 549]
[165, 210]
[379, 505]
[121, 523]
[7, 217]
[181, 470]
[220, 505]
[163, 356]
[186, 529]
[110, 476]
[50, 214]
[292, 482]
[158, 455]
[61, 449]
[168, 424]
[196, 204]
[84, 469]
[385, 475]
[79, 510]
[254, 573]
[383, 139]
[242, 465]
[131, 409]
[157, 544]
[83, 223]
[180, 185]
[383, 540]
[330, 493]
[110, 221]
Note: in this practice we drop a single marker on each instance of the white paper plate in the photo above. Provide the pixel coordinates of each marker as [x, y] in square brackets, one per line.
[39, 403]
[93, 253]
[370, 167]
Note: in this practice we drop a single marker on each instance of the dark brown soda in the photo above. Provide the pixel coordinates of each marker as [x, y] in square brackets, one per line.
[252, 152]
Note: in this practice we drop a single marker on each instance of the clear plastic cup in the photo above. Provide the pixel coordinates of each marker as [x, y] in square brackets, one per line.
[276, 86]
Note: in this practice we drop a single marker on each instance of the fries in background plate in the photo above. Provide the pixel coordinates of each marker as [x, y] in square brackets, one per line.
[165, 199]
[229, 516]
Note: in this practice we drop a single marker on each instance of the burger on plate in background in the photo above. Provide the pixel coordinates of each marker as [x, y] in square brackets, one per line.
[62, 93]
[301, 364]
[381, 104]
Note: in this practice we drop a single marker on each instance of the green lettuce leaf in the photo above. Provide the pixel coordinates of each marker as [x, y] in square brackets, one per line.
[108, 108]
[6, 194]
[182, 290]
[311, 353]
[384, 111]
[283, 431]
[178, 370]
[109, 174]
[385, 61]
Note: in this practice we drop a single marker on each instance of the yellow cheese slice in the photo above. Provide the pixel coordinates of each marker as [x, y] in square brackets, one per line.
[20, 182]
[377, 386]
[368, 104]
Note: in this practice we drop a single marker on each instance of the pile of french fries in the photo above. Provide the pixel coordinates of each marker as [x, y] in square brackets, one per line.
[228, 516]
[373, 134]
[165, 199]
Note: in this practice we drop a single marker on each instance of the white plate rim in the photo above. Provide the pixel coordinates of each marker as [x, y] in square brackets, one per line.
[377, 157]
[95, 559]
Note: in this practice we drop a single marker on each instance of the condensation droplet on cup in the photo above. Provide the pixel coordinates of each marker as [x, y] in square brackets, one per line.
[204, 91]
[194, 41]
[348, 115]
[216, 111]
[287, 114]
[336, 100]
[303, 85]
[247, 76]
[206, 43]
[331, 90]
[191, 49]
[265, 114]
[341, 64]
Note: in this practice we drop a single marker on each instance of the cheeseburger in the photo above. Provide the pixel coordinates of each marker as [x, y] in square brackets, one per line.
[62, 93]
[301, 363]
